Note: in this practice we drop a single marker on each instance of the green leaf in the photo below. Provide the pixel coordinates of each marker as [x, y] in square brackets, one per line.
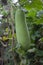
[37, 4]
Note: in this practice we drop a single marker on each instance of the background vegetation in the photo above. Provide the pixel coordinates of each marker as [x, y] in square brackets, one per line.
[13, 54]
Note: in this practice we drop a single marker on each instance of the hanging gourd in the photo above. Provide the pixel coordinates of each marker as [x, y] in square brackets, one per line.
[23, 36]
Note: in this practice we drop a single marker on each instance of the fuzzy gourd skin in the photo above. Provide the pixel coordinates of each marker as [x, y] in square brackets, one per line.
[22, 34]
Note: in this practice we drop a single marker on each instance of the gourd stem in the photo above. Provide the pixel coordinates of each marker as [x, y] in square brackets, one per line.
[13, 42]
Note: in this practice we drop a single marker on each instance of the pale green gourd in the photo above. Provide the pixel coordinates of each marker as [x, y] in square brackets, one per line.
[23, 36]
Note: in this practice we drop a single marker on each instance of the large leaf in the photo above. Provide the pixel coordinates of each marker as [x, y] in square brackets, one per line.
[32, 4]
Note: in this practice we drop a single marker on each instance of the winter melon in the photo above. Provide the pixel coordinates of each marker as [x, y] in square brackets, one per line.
[23, 36]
